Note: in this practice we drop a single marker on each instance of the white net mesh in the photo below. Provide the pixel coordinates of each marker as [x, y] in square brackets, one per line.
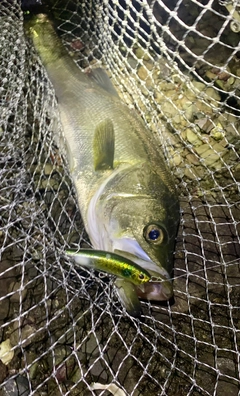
[177, 63]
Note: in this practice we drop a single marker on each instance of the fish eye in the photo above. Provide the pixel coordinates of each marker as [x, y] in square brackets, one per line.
[141, 276]
[154, 234]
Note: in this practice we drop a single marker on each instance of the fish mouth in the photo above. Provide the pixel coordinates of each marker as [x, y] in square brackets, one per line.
[160, 287]
[155, 291]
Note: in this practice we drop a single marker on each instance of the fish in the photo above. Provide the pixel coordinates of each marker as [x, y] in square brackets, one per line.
[111, 263]
[125, 192]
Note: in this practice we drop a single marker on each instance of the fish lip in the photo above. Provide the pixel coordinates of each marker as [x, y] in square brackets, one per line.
[155, 291]
[160, 289]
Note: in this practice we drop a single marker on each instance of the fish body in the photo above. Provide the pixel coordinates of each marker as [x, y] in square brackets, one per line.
[111, 263]
[125, 193]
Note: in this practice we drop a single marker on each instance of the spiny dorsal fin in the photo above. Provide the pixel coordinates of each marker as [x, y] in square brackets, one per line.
[100, 77]
[103, 145]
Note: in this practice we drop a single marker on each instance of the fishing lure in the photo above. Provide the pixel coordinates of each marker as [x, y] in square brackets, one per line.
[111, 263]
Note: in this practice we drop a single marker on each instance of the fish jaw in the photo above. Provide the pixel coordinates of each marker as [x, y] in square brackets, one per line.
[151, 291]
[160, 287]
[129, 294]
[155, 291]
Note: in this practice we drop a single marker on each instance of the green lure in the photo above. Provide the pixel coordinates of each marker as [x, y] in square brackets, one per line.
[111, 263]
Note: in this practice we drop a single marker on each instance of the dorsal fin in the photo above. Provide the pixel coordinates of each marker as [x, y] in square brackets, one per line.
[100, 77]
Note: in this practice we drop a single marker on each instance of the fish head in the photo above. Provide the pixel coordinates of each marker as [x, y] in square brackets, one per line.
[138, 216]
[145, 236]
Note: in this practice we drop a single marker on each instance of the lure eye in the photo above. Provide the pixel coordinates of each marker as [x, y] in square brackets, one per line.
[154, 234]
[141, 276]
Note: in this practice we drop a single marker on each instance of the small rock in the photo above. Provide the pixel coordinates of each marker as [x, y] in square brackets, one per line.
[194, 173]
[132, 62]
[27, 335]
[211, 75]
[219, 148]
[205, 124]
[218, 165]
[6, 352]
[141, 54]
[176, 159]
[143, 73]
[192, 159]
[213, 94]
[232, 156]
[189, 112]
[33, 370]
[198, 85]
[217, 133]
[48, 169]
[211, 155]
[179, 120]
[49, 184]
[168, 109]
[193, 138]
[18, 386]
[202, 149]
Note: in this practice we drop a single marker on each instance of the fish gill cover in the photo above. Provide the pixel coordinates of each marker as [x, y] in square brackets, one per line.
[64, 331]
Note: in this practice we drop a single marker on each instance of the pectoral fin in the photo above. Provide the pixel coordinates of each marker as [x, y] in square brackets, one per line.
[103, 145]
[128, 297]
